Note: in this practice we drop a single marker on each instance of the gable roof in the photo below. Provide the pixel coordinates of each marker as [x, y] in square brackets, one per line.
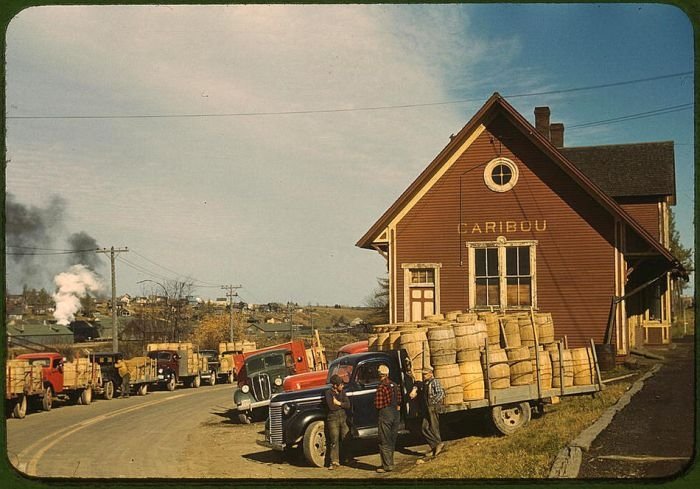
[652, 166]
[495, 105]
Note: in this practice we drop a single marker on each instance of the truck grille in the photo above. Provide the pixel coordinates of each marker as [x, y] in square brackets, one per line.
[276, 434]
[261, 387]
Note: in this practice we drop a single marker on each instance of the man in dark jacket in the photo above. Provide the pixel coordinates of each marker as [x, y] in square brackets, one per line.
[388, 404]
[336, 420]
[431, 396]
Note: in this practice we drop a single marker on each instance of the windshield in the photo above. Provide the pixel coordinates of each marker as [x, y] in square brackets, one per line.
[211, 355]
[164, 356]
[44, 362]
[261, 363]
[345, 371]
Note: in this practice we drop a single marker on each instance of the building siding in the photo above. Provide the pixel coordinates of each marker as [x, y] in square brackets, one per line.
[645, 213]
[575, 252]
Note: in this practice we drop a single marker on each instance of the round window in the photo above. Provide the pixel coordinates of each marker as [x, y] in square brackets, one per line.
[501, 175]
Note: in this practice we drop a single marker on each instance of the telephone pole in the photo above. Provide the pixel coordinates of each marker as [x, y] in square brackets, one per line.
[231, 294]
[115, 333]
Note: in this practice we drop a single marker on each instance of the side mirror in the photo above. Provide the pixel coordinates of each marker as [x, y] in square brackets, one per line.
[298, 359]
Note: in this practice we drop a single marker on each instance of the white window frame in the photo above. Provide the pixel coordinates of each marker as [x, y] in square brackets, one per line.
[501, 244]
[488, 177]
[407, 267]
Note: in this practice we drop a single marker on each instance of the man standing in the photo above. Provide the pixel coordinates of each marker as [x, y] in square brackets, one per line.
[336, 420]
[388, 403]
[124, 374]
[431, 396]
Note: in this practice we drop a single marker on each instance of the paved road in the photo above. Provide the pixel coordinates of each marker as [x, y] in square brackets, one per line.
[653, 436]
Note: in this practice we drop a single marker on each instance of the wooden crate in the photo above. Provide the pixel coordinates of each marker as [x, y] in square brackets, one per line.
[239, 346]
[168, 346]
[141, 368]
[22, 377]
[80, 373]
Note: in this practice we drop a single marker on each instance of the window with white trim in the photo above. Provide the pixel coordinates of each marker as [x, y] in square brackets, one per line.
[502, 274]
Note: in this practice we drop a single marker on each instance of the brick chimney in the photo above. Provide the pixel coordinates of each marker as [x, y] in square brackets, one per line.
[557, 134]
[542, 121]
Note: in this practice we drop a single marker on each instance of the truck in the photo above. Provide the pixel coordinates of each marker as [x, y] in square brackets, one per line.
[211, 375]
[317, 378]
[231, 358]
[23, 381]
[142, 373]
[73, 381]
[177, 363]
[263, 372]
[296, 419]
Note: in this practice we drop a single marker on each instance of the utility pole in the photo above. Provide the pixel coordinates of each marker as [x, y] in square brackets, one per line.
[231, 294]
[115, 333]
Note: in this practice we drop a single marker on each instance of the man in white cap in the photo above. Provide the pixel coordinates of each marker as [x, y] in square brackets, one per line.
[431, 396]
[388, 404]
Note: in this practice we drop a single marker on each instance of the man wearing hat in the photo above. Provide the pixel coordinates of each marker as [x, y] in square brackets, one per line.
[388, 404]
[336, 420]
[431, 396]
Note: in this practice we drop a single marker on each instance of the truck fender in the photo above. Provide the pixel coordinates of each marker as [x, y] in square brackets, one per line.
[239, 396]
[300, 424]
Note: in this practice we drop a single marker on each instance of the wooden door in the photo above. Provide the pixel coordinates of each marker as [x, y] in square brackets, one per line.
[422, 302]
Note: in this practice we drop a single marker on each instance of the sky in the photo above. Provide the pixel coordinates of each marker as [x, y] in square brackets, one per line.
[254, 145]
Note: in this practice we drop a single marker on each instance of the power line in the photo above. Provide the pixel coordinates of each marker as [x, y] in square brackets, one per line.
[356, 109]
[638, 115]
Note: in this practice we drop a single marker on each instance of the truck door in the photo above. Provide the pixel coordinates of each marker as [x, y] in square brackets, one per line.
[56, 374]
[361, 392]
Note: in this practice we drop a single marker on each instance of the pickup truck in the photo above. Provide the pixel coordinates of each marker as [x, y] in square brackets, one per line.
[297, 418]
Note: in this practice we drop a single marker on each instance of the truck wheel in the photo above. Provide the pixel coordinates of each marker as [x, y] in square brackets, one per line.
[108, 390]
[230, 378]
[510, 418]
[315, 444]
[86, 396]
[47, 400]
[142, 390]
[171, 383]
[197, 381]
[245, 418]
[212, 379]
[20, 408]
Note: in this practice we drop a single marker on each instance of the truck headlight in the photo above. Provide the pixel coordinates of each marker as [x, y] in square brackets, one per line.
[288, 409]
[278, 381]
[160, 370]
[245, 389]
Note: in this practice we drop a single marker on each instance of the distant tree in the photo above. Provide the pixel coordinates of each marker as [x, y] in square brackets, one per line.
[87, 304]
[211, 330]
[379, 300]
[684, 255]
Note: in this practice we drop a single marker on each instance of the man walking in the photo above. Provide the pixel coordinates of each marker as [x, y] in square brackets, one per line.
[124, 374]
[336, 420]
[388, 404]
[431, 396]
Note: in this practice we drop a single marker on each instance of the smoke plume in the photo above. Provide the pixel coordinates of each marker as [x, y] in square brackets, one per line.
[73, 285]
[84, 246]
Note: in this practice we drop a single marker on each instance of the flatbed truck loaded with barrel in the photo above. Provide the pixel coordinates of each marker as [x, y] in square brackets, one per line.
[506, 383]
[177, 363]
[142, 373]
[73, 381]
[23, 381]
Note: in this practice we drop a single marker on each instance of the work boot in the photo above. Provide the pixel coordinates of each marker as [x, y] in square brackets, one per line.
[438, 449]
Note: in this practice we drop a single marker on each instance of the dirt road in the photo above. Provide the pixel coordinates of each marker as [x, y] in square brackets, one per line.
[183, 434]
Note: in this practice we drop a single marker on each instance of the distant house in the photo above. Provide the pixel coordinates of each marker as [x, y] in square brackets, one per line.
[43, 333]
[275, 329]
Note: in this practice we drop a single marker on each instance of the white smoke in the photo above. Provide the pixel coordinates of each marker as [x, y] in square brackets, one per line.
[73, 285]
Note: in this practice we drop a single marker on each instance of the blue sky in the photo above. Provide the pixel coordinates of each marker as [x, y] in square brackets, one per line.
[276, 202]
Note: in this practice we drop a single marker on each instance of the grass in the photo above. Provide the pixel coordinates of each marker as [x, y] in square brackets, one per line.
[528, 453]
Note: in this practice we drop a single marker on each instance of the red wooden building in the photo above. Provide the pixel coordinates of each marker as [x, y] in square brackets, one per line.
[506, 218]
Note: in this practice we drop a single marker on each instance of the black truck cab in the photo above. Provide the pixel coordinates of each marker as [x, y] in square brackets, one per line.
[297, 417]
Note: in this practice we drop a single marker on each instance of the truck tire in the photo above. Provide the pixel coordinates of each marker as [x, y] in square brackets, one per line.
[197, 381]
[230, 378]
[142, 390]
[171, 383]
[86, 396]
[19, 410]
[212, 379]
[108, 390]
[245, 418]
[47, 399]
[314, 444]
[509, 418]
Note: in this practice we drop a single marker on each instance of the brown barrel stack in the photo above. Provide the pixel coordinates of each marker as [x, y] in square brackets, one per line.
[451, 381]
[520, 366]
[583, 366]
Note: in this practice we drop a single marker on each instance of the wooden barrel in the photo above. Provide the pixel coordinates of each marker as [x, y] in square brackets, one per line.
[380, 328]
[434, 317]
[372, 342]
[452, 315]
[511, 330]
[499, 371]
[443, 357]
[520, 366]
[466, 317]
[527, 331]
[472, 380]
[557, 365]
[382, 341]
[451, 381]
[492, 327]
[441, 338]
[469, 336]
[468, 355]
[416, 345]
[545, 367]
[545, 328]
[394, 340]
[583, 366]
